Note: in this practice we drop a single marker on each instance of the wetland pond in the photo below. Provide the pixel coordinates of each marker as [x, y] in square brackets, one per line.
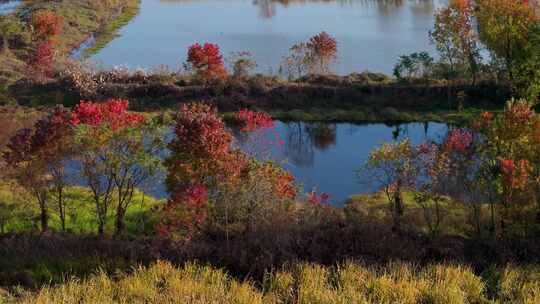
[324, 156]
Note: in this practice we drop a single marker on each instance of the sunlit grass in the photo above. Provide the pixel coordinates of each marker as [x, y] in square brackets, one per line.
[302, 283]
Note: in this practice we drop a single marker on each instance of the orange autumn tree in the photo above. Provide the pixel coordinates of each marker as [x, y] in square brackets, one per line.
[46, 29]
[512, 146]
[46, 25]
[206, 172]
[323, 48]
[455, 37]
[206, 61]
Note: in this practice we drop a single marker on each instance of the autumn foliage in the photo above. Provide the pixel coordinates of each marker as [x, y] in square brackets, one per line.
[204, 167]
[206, 61]
[324, 50]
[47, 27]
[250, 121]
[112, 113]
[34, 158]
[41, 61]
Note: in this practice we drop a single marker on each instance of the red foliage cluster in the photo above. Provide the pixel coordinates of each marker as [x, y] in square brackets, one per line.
[323, 45]
[48, 132]
[201, 133]
[519, 113]
[458, 140]
[41, 61]
[515, 175]
[46, 25]
[203, 161]
[250, 121]
[202, 158]
[112, 112]
[486, 117]
[207, 61]
[19, 147]
[314, 198]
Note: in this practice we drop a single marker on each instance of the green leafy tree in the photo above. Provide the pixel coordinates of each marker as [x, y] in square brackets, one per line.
[392, 168]
[10, 27]
[504, 29]
[415, 65]
[528, 71]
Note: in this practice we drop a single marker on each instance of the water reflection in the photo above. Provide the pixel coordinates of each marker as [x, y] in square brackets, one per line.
[298, 146]
[321, 156]
[303, 139]
[268, 8]
[326, 156]
[371, 34]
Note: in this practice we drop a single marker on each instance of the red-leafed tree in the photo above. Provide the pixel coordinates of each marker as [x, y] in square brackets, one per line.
[323, 49]
[36, 158]
[118, 151]
[207, 173]
[41, 61]
[206, 61]
[46, 25]
[46, 28]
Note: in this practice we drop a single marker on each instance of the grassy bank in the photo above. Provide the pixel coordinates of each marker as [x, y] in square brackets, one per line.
[298, 284]
[365, 99]
[23, 215]
[83, 19]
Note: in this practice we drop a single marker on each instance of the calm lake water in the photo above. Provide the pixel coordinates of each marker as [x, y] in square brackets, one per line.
[7, 7]
[371, 34]
[325, 156]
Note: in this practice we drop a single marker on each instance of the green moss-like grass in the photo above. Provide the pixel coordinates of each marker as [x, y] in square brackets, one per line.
[80, 213]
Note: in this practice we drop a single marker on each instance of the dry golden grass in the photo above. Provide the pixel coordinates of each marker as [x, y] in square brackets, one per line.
[300, 284]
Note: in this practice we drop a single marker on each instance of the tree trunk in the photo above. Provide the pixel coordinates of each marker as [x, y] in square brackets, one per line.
[438, 216]
[492, 228]
[62, 210]
[120, 225]
[44, 218]
[2, 227]
[101, 227]
[398, 208]
[5, 45]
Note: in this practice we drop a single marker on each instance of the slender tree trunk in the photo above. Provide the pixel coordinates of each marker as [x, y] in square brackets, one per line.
[398, 208]
[437, 216]
[44, 217]
[5, 45]
[492, 228]
[2, 227]
[101, 227]
[62, 209]
[537, 206]
[101, 216]
[120, 224]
